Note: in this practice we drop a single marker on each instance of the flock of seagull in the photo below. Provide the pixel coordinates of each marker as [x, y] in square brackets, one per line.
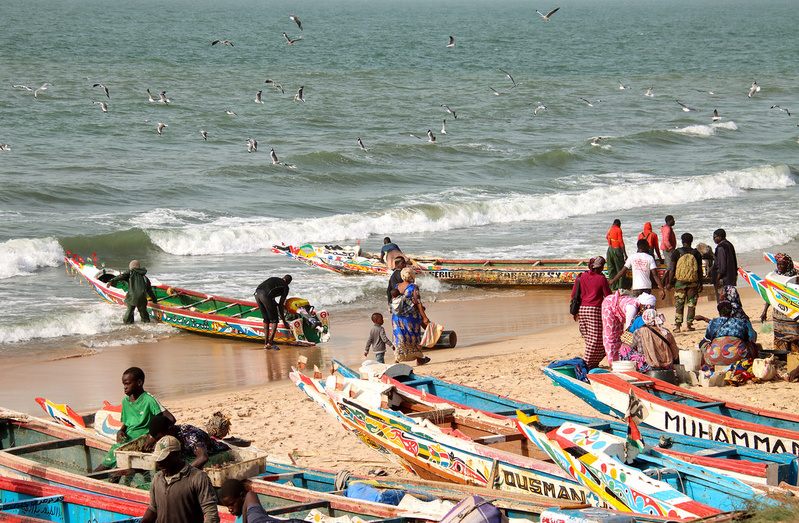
[252, 144]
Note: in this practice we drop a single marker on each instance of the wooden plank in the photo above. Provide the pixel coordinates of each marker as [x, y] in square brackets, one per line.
[190, 305]
[27, 503]
[297, 507]
[46, 445]
[242, 313]
[433, 413]
[709, 405]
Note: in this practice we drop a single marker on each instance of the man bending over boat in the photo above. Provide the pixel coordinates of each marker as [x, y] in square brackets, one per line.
[245, 505]
[390, 252]
[192, 439]
[138, 289]
[265, 295]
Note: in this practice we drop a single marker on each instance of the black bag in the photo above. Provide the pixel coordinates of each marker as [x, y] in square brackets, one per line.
[574, 305]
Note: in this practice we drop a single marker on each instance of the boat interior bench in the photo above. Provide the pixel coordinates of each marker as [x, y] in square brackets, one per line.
[46, 445]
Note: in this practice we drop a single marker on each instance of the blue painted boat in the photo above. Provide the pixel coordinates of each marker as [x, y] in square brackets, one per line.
[750, 465]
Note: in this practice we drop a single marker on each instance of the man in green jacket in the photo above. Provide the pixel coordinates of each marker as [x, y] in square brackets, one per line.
[138, 289]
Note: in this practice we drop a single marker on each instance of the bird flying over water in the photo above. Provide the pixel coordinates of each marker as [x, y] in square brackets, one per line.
[449, 110]
[42, 88]
[716, 116]
[430, 137]
[290, 41]
[754, 89]
[782, 109]
[685, 107]
[252, 145]
[595, 141]
[496, 93]
[511, 78]
[541, 107]
[229, 112]
[23, 87]
[104, 88]
[163, 99]
[298, 97]
[258, 97]
[649, 93]
[276, 85]
[296, 20]
[103, 106]
[546, 16]
[273, 156]
[587, 102]
[160, 127]
[623, 87]
[361, 145]
[150, 97]
[5, 147]
[444, 126]
[451, 41]
[223, 42]
[204, 134]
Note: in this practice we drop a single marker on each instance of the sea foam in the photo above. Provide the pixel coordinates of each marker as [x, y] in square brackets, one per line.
[24, 256]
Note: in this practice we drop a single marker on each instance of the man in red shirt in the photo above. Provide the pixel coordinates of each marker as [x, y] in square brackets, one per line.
[616, 254]
[668, 241]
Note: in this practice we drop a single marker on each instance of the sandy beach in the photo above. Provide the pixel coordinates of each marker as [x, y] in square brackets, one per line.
[280, 420]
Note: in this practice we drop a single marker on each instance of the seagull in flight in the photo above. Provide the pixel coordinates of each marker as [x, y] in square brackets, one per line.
[444, 126]
[587, 102]
[160, 127]
[782, 109]
[223, 42]
[361, 145]
[541, 107]
[649, 93]
[716, 116]
[754, 89]
[42, 88]
[451, 41]
[252, 145]
[449, 110]
[511, 78]
[104, 88]
[204, 134]
[150, 97]
[258, 97]
[5, 147]
[685, 107]
[546, 16]
[296, 20]
[273, 156]
[430, 137]
[163, 99]
[496, 93]
[103, 106]
[23, 87]
[290, 41]
[276, 85]
[298, 97]
[623, 87]
[595, 141]
[229, 112]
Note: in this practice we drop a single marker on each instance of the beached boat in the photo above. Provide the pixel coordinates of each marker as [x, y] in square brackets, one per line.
[676, 410]
[637, 478]
[781, 292]
[495, 272]
[206, 314]
[745, 464]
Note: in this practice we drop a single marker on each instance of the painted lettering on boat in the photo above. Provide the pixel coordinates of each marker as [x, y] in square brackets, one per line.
[681, 424]
[543, 488]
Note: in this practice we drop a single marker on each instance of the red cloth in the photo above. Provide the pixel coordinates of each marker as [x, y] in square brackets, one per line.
[593, 289]
[614, 236]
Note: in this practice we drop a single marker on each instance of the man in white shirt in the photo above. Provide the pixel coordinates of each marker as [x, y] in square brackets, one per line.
[642, 265]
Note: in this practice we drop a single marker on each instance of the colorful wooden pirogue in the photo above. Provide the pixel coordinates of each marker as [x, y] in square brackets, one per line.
[781, 292]
[206, 314]
[467, 446]
[676, 410]
[495, 272]
[749, 465]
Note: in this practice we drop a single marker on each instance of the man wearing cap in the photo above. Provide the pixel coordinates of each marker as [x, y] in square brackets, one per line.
[179, 492]
[138, 289]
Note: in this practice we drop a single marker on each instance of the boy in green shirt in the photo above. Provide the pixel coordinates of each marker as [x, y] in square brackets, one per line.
[138, 408]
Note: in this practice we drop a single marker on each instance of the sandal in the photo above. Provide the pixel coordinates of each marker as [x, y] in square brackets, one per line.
[677, 329]
[690, 328]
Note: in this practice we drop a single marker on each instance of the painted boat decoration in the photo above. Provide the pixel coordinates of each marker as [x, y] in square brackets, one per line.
[104, 423]
[207, 314]
[639, 480]
[28, 501]
[494, 272]
[745, 464]
[679, 411]
[781, 292]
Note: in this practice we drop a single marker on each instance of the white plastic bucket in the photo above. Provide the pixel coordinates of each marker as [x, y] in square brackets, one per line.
[624, 366]
[691, 359]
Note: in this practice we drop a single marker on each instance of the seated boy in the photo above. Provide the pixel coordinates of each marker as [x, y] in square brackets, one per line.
[138, 408]
[191, 438]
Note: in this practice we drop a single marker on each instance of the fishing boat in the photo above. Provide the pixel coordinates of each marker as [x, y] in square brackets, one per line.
[749, 465]
[633, 477]
[781, 292]
[490, 272]
[28, 501]
[207, 314]
[676, 410]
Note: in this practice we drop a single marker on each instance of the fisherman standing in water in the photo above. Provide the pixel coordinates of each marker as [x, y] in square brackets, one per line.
[139, 289]
[265, 296]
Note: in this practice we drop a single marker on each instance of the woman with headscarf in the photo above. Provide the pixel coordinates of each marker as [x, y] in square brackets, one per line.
[618, 313]
[786, 330]
[408, 319]
[730, 293]
[593, 287]
[653, 346]
[727, 339]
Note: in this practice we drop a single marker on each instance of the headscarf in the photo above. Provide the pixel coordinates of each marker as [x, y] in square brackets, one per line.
[725, 306]
[652, 317]
[647, 300]
[731, 295]
[791, 268]
[596, 263]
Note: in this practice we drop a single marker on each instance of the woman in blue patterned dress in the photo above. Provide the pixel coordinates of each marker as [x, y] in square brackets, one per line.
[408, 319]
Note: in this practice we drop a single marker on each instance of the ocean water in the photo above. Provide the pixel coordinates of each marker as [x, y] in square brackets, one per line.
[502, 182]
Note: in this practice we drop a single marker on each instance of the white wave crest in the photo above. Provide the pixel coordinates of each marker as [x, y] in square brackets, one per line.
[437, 212]
[706, 130]
[24, 256]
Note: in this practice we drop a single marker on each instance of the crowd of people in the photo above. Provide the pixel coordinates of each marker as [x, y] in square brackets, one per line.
[618, 318]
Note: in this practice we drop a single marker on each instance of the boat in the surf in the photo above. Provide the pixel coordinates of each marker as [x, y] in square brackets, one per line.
[351, 260]
[26, 501]
[633, 477]
[205, 313]
[676, 410]
[749, 465]
[781, 292]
